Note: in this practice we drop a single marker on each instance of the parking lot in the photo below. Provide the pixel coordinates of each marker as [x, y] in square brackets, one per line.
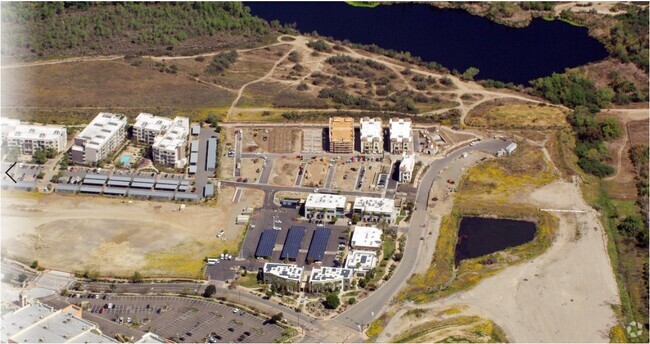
[183, 319]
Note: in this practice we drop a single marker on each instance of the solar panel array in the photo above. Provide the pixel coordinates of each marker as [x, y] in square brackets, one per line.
[292, 243]
[267, 243]
[318, 244]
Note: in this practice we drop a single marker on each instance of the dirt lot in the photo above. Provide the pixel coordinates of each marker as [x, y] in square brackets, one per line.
[106, 85]
[284, 172]
[272, 140]
[251, 169]
[316, 173]
[115, 238]
[514, 114]
[351, 176]
[638, 132]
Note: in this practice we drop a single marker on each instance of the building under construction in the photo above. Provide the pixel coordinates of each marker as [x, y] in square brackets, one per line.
[342, 135]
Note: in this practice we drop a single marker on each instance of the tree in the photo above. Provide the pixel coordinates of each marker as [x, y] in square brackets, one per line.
[610, 128]
[39, 157]
[34, 264]
[136, 277]
[209, 290]
[22, 278]
[631, 225]
[352, 300]
[469, 73]
[276, 318]
[332, 301]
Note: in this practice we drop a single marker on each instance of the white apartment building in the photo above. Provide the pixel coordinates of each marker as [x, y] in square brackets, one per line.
[406, 168]
[372, 136]
[147, 127]
[325, 206]
[400, 135]
[325, 279]
[283, 276]
[99, 139]
[31, 138]
[169, 148]
[374, 209]
[7, 125]
[366, 238]
[361, 261]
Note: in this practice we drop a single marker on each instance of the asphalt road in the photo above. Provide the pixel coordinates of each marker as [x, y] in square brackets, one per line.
[371, 307]
[273, 188]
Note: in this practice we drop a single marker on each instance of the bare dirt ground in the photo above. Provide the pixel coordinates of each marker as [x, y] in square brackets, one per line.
[564, 295]
[345, 170]
[316, 173]
[251, 169]
[116, 238]
[272, 140]
[284, 172]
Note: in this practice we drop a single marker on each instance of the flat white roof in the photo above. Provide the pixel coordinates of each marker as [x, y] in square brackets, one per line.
[175, 136]
[329, 274]
[291, 272]
[400, 129]
[366, 237]
[371, 129]
[151, 122]
[102, 128]
[326, 201]
[374, 204]
[408, 163]
[361, 260]
[36, 132]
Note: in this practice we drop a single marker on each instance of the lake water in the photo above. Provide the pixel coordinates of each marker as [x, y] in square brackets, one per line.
[453, 38]
[480, 236]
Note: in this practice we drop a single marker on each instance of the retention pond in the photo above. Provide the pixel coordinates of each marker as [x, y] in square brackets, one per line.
[479, 236]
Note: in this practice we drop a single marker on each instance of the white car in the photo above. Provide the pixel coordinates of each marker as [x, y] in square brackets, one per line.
[473, 143]
[236, 310]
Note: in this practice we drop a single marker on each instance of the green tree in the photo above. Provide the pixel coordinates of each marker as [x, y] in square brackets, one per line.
[276, 318]
[610, 128]
[34, 264]
[22, 278]
[352, 300]
[469, 73]
[39, 157]
[631, 225]
[332, 301]
[136, 277]
[209, 290]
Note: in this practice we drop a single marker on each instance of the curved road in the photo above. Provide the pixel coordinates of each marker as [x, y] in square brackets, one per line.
[371, 307]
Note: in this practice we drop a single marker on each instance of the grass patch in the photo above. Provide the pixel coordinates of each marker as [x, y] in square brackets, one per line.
[388, 247]
[248, 281]
[366, 4]
[286, 335]
[478, 330]
[499, 115]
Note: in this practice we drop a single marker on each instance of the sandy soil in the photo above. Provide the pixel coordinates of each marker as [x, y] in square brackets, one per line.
[284, 172]
[316, 173]
[564, 295]
[250, 168]
[345, 170]
[83, 232]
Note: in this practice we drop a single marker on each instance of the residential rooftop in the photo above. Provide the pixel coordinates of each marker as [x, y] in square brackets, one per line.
[408, 163]
[361, 260]
[342, 129]
[329, 274]
[148, 121]
[175, 136]
[101, 129]
[374, 204]
[317, 200]
[287, 271]
[400, 129]
[366, 237]
[36, 132]
[371, 129]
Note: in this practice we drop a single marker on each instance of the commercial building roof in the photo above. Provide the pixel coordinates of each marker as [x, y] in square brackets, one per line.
[183, 187]
[342, 129]
[211, 155]
[186, 196]
[374, 204]
[366, 237]
[371, 129]
[400, 130]
[329, 274]
[208, 190]
[39, 323]
[318, 244]
[22, 185]
[267, 243]
[293, 242]
[361, 260]
[287, 271]
[325, 201]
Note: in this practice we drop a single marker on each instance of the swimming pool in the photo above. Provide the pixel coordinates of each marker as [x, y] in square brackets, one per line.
[125, 159]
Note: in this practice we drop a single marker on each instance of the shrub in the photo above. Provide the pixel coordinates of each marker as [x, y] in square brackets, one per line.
[332, 301]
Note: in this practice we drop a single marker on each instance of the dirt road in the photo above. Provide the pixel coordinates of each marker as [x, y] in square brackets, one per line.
[564, 295]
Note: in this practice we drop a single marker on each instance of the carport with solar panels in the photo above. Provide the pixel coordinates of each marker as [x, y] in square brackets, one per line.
[318, 244]
[292, 243]
[267, 243]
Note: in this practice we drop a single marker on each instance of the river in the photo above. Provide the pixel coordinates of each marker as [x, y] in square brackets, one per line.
[453, 38]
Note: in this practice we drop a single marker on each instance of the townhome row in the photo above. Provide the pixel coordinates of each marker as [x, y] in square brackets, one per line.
[330, 207]
[341, 135]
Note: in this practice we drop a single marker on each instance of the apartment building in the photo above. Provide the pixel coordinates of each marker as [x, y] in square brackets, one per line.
[147, 127]
[326, 279]
[99, 139]
[325, 206]
[341, 135]
[7, 125]
[372, 136]
[31, 138]
[406, 167]
[374, 209]
[400, 135]
[361, 261]
[170, 147]
[283, 276]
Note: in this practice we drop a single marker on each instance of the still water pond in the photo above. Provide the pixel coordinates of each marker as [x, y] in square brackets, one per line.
[453, 38]
[479, 236]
